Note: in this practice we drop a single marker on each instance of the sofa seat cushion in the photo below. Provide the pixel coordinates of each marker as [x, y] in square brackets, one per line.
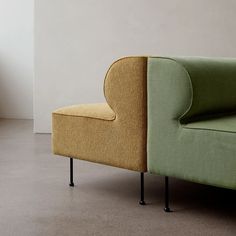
[92, 135]
[223, 123]
[97, 111]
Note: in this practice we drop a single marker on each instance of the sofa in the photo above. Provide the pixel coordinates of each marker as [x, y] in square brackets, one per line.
[171, 116]
[192, 119]
[112, 133]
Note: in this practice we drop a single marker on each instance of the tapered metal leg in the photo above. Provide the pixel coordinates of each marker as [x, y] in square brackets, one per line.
[142, 202]
[167, 209]
[71, 173]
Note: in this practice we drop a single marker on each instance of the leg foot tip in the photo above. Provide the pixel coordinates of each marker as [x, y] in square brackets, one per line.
[167, 209]
[71, 185]
[142, 202]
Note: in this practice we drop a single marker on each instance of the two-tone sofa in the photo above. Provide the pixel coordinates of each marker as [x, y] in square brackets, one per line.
[168, 116]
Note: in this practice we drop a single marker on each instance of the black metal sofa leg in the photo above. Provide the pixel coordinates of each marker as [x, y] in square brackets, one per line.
[142, 202]
[167, 209]
[71, 173]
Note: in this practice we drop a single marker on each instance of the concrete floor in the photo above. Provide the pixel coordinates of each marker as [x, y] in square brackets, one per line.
[35, 198]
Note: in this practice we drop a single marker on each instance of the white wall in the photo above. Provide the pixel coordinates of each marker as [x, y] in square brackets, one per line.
[77, 40]
[16, 58]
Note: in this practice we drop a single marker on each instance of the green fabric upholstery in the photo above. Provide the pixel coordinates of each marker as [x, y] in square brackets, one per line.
[223, 123]
[213, 86]
[192, 119]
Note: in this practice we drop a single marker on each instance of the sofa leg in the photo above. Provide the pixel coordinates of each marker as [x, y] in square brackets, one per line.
[142, 202]
[167, 209]
[71, 173]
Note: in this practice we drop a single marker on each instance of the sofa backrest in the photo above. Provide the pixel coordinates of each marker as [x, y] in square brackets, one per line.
[125, 89]
[213, 82]
[199, 88]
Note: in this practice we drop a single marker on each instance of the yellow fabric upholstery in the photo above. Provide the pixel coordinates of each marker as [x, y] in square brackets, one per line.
[97, 111]
[114, 133]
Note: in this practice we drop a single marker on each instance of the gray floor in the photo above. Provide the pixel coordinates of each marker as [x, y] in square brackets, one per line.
[35, 198]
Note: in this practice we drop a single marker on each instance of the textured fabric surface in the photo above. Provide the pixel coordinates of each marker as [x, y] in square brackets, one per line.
[190, 102]
[116, 134]
[97, 111]
[213, 86]
[221, 123]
